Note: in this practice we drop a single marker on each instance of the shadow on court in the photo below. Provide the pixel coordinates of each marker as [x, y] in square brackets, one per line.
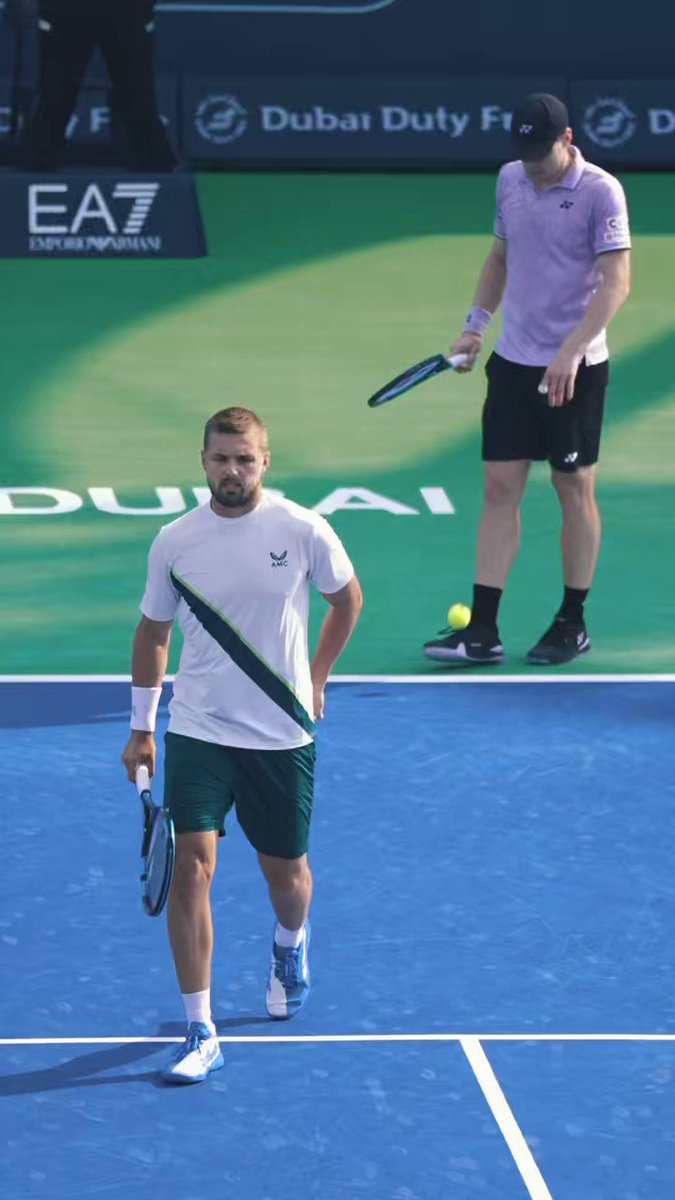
[86, 1070]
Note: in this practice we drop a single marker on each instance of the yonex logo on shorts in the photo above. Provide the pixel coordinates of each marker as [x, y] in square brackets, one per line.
[571, 458]
[279, 560]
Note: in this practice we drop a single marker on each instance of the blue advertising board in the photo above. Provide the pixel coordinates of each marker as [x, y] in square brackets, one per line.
[99, 215]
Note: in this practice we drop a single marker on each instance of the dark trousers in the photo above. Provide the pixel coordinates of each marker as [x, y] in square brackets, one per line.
[66, 46]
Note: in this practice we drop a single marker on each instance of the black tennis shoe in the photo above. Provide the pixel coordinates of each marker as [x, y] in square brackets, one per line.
[460, 647]
[561, 643]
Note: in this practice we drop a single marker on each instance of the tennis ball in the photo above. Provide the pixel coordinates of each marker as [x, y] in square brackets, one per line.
[459, 616]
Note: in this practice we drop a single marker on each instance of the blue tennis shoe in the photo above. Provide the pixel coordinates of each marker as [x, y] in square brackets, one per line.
[288, 983]
[199, 1055]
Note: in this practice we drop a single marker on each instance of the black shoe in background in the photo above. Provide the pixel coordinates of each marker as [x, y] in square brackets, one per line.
[461, 647]
[562, 642]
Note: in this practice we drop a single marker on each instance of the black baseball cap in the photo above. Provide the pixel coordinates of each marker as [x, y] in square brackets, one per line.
[536, 124]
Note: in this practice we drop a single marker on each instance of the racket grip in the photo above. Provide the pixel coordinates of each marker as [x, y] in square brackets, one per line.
[457, 360]
[142, 780]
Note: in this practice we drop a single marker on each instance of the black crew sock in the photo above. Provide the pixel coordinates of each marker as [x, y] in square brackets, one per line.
[572, 607]
[485, 606]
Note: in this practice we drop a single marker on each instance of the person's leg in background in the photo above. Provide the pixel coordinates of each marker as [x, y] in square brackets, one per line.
[126, 43]
[66, 45]
[574, 433]
[580, 540]
[513, 437]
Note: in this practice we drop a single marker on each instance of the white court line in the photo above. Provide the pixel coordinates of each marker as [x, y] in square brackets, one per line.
[470, 678]
[321, 1038]
[436, 679]
[513, 1135]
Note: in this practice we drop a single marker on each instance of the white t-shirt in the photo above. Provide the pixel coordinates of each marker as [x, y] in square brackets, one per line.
[240, 589]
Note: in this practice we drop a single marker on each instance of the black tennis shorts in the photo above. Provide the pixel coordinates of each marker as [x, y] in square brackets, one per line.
[519, 424]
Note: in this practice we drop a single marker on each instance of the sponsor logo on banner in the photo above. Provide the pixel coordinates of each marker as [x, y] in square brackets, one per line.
[221, 119]
[661, 121]
[609, 122]
[169, 501]
[100, 215]
[91, 121]
[387, 118]
[101, 219]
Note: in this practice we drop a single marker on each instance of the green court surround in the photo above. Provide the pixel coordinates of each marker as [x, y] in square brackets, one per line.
[317, 288]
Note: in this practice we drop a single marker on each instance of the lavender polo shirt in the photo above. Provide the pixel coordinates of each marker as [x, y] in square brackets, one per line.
[554, 237]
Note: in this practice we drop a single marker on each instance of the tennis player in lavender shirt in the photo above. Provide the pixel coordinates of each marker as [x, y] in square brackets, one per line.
[561, 264]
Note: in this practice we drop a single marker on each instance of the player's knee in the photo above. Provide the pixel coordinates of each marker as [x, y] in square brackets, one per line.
[193, 873]
[502, 491]
[575, 489]
[286, 874]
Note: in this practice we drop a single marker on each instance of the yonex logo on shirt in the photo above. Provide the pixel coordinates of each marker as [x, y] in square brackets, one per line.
[525, 129]
[279, 560]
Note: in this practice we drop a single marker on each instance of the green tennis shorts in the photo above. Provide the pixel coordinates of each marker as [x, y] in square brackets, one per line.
[272, 791]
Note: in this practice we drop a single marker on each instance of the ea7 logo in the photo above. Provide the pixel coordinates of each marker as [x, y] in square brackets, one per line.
[92, 212]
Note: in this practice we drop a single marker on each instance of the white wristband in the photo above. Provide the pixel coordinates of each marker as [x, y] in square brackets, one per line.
[144, 705]
[477, 321]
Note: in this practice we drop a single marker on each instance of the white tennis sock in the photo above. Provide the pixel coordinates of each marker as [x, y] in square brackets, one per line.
[198, 1007]
[288, 937]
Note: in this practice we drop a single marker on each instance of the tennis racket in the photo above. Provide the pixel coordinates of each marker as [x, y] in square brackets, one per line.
[158, 850]
[425, 369]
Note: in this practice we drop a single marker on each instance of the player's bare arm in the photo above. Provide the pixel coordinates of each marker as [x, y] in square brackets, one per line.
[487, 299]
[338, 626]
[615, 269]
[149, 661]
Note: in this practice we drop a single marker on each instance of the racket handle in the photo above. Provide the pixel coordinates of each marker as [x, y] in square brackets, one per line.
[142, 780]
[457, 360]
